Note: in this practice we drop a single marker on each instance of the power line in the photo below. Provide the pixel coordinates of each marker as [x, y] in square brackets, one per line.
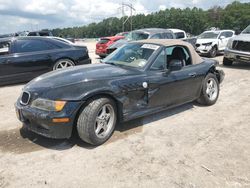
[129, 19]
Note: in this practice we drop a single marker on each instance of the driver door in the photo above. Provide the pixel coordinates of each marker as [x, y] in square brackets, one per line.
[170, 88]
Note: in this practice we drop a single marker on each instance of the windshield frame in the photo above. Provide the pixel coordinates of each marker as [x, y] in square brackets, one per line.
[147, 65]
[246, 30]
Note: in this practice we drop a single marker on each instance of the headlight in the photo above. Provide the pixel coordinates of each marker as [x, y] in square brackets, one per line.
[48, 105]
[230, 44]
[207, 44]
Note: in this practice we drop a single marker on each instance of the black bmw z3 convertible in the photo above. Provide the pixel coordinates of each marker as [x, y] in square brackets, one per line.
[138, 79]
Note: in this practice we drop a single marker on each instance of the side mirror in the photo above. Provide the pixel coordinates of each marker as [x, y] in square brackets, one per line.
[175, 65]
[222, 37]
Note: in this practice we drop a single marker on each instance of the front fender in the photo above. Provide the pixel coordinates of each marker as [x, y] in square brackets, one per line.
[220, 74]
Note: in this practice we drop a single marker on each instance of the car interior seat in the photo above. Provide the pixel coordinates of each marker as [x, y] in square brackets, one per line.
[178, 54]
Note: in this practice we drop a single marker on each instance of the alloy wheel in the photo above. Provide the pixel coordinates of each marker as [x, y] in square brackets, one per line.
[63, 64]
[104, 121]
[212, 89]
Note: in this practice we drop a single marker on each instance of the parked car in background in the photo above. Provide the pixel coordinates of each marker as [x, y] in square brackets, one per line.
[238, 48]
[138, 79]
[71, 39]
[141, 34]
[62, 40]
[211, 43]
[23, 58]
[7, 35]
[122, 34]
[40, 33]
[179, 34]
[104, 43]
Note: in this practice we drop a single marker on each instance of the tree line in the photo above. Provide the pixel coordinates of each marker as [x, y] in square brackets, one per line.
[193, 20]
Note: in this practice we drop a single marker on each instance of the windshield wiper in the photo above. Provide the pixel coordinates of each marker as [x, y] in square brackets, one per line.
[111, 63]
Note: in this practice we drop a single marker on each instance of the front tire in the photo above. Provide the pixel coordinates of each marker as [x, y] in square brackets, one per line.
[210, 90]
[213, 52]
[227, 62]
[97, 121]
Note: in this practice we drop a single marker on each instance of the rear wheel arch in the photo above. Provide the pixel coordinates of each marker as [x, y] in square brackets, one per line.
[210, 90]
[62, 58]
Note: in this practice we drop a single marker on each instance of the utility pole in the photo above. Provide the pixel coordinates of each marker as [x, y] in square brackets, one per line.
[129, 18]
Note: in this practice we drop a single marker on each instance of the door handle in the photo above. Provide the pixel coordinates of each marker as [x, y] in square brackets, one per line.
[192, 74]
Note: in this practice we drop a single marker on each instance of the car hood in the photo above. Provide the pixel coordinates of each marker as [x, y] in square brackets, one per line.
[79, 74]
[202, 41]
[242, 37]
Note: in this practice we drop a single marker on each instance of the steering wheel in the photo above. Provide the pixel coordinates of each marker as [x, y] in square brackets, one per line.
[133, 56]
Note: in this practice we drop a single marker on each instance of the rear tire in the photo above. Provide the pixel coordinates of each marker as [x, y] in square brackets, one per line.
[227, 62]
[210, 90]
[96, 123]
[63, 63]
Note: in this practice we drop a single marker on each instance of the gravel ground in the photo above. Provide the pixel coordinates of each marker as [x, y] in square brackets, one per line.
[188, 146]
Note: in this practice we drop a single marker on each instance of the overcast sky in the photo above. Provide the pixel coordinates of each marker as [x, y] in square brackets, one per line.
[19, 15]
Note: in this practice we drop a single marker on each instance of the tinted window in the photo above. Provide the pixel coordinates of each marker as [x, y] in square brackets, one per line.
[103, 41]
[32, 34]
[209, 35]
[223, 34]
[137, 36]
[31, 46]
[45, 33]
[180, 35]
[167, 36]
[156, 36]
[229, 34]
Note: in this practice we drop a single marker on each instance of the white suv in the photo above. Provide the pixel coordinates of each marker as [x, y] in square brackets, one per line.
[212, 42]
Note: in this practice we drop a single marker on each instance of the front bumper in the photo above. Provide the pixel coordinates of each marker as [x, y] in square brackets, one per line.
[101, 52]
[40, 121]
[204, 50]
[236, 55]
[84, 61]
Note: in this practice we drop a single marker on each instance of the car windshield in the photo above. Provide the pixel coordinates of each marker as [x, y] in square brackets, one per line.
[132, 55]
[247, 30]
[137, 36]
[209, 35]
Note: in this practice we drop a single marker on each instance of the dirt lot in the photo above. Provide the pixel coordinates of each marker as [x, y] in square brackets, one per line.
[189, 146]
